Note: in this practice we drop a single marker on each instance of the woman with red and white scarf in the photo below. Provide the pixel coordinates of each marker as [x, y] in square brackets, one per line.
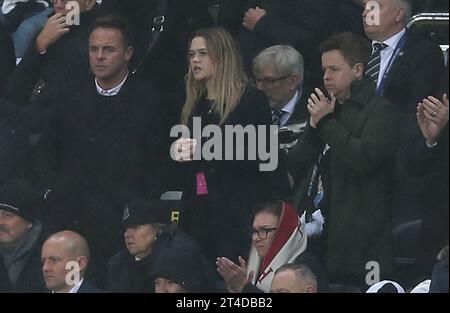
[278, 238]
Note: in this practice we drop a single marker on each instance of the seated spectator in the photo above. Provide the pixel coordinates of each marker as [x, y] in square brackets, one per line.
[294, 278]
[278, 238]
[65, 259]
[148, 234]
[7, 58]
[21, 238]
[182, 270]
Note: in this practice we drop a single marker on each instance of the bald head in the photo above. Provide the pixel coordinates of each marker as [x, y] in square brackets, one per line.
[65, 257]
[294, 278]
[73, 243]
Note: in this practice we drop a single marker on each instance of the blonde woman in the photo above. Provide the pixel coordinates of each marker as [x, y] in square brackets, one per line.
[218, 194]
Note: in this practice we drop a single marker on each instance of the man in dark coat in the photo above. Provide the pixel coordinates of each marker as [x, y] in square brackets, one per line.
[344, 156]
[101, 147]
[21, 238]
[52, 65]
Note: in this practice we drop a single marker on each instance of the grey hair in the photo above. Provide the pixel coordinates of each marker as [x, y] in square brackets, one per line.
[407, 6]
[302, 272]
[281, 58]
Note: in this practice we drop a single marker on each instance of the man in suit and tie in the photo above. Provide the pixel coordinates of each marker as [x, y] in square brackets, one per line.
[279, 72]
[65, 258]
[405, 69]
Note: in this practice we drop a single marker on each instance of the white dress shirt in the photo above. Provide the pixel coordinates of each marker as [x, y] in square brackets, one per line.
[110, 92]
[289, 109]
[386, 53]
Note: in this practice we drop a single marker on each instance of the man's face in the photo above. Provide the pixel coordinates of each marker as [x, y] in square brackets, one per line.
[288, 282]
[108, 55]
[391, 19]
[139, 239]
[64, 6]
[12, 228]
[54, 260]
[279, 89]
[338, 74]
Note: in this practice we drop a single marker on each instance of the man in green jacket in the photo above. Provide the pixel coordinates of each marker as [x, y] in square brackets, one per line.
[344, 161]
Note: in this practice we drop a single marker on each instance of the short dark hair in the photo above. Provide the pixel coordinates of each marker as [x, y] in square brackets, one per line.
[115, 22]
[354, 48]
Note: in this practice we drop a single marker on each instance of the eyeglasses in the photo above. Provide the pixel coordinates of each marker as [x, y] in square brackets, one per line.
[263, 232]
[270, 82]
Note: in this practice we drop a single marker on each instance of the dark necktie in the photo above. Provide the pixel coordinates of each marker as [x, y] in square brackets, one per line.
[276, 117]
[375, 61]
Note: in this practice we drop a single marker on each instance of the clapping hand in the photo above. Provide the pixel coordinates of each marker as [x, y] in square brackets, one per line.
[432, 115]
[235, 276]
[252, 17]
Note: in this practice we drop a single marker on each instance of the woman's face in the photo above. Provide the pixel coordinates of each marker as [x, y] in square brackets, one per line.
[200, 61]
[139, 239]
[265, 226]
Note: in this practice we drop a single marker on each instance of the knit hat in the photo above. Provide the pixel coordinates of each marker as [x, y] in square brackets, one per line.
[19, 198]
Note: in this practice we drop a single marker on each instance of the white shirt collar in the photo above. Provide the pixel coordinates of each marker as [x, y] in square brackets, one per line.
[111, 92]
[76, 287]
[290, 106]
[393, 41]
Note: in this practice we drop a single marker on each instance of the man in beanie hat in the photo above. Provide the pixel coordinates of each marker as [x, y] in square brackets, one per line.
[20, 239]
[149, 231]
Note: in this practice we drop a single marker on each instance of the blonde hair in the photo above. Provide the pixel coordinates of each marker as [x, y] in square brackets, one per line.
[229, 79]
